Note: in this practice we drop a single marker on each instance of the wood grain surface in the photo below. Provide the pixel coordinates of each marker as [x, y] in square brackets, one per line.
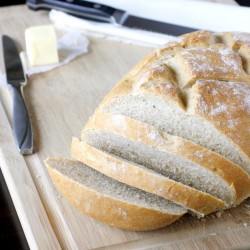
[60, 102]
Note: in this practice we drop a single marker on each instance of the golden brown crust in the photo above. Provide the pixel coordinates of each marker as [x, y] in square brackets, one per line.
[236, 178]
[214, 62]
[235, 39]
[109, 210]
[126, 172]
[158, 79]
[210, 101]
[244, 53]
[201, 38]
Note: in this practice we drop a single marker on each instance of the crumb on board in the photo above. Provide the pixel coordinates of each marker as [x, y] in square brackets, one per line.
[218, 214]
[212, 234]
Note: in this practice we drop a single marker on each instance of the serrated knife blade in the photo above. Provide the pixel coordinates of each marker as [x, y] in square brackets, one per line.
[16, 78]
[103, 13]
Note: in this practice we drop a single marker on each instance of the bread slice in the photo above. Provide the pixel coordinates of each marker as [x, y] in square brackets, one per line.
[108, 200]
[146, 179]
[172, 119]
[172, 156]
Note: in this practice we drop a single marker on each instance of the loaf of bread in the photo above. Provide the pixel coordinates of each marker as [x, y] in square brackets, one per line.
[175, 131]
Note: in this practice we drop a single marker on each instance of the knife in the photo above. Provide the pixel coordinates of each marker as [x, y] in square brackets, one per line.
[17, 79]
[103, 13]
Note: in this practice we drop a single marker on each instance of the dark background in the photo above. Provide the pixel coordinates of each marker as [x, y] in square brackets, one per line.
[243, 2]
[13, 2]
[11, 232]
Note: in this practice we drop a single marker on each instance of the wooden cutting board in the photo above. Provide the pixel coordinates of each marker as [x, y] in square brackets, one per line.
[60, 102]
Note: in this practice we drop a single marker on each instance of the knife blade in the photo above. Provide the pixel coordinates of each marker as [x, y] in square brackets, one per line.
[16, 78]
[104, 13]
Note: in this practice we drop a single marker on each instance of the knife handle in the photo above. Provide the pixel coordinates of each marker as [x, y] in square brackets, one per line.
[80, 8]
[21, 123]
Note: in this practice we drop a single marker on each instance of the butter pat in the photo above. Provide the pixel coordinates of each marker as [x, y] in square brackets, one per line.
[41, 45]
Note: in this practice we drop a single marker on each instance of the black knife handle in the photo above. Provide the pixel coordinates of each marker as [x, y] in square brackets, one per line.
[21, 123]
[80, 8]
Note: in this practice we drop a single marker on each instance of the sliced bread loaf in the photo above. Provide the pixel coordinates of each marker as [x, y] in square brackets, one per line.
[172, 156]
[108, 200]
[146, 179]
[197, 89]
[176, 127]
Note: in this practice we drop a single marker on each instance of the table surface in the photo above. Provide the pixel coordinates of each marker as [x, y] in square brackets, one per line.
[11, 232]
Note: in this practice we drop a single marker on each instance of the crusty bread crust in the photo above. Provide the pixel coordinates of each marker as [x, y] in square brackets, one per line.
[135, 130]
[232, 117]
[199, 202]
[108, 209]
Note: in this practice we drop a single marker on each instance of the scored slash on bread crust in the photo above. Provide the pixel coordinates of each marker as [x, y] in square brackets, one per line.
[231, 175]
[138, 176]
[109, 201]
